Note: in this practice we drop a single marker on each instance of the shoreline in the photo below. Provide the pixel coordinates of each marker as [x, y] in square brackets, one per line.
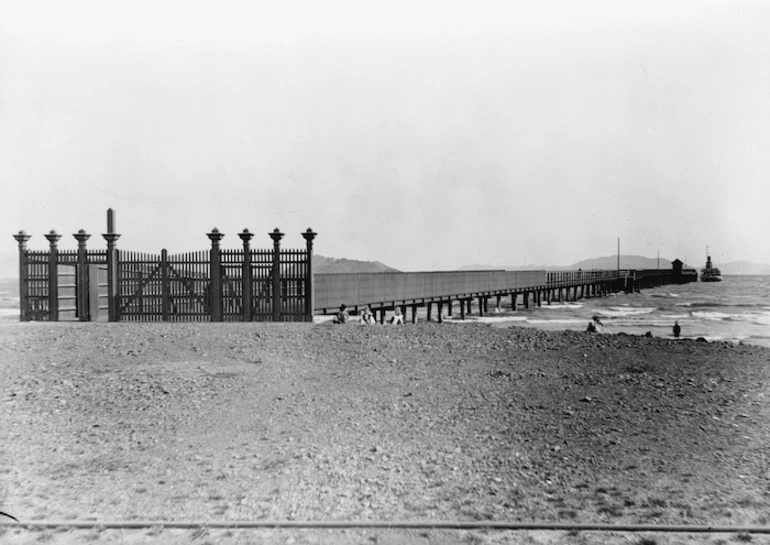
[513, 320]
[9, 317]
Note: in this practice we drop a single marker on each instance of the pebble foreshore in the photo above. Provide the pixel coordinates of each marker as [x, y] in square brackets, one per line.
[416, 422]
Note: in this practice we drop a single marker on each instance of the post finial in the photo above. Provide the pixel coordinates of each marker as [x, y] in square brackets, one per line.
[81, 236]
[52, 237]
[309, 235]
[246, 235]
[215, 236]
[22, 237]
[276, 235]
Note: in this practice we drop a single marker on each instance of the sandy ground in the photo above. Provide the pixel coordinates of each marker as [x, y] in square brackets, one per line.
[217, 422]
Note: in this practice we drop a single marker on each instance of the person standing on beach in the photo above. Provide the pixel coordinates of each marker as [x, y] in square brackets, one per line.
[598, 325]
[677, 329]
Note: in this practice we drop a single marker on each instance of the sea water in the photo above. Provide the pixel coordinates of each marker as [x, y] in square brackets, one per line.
[735, 310]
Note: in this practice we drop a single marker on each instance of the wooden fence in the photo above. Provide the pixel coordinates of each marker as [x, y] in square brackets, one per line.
[54, 285]
[182, 288]
[217, 284]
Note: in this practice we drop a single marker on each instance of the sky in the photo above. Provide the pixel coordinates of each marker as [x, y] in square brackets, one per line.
[425, 135]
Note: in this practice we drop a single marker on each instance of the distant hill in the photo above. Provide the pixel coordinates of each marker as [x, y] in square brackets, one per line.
[743, 267]
[639, 262]
[603, 263]
[626, 262]
[505, 268]
[330, 265]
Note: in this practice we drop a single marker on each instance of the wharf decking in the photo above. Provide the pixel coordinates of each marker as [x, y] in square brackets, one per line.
[440, 290]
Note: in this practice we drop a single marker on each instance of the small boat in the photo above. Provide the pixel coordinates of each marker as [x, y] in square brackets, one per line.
[710, 273]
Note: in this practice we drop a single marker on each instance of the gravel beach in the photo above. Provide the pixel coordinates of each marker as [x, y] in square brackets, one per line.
[217, 422]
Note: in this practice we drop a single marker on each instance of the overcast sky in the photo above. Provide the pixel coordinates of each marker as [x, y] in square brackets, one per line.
[426, 135]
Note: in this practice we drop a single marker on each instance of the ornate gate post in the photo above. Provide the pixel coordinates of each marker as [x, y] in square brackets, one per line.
[22, 239]
[215, 285]
[113, 281]
[53, 276]
[246, 290]
[309, 235]
[82, 276]
[165, 286]
[276, 235]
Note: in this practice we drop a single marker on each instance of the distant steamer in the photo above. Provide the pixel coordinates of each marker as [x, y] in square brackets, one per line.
[709, 273]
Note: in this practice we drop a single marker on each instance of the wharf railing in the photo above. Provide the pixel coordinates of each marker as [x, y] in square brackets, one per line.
[556, 278]
[389, 290]
[407, 288]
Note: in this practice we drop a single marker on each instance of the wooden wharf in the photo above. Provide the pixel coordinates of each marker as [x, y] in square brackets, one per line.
[277, 284]
[441, 291]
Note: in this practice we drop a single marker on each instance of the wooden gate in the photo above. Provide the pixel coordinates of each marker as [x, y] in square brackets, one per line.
[240, 269]
[36, 305]
[67, 283]
[159, 287]
[55, 288]
[208, 285]
[181, 287]
[98, 293]
[295, 269]
[262, 285]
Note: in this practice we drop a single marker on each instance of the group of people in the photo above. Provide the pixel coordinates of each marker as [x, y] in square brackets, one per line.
[367, 316]
[596, 325]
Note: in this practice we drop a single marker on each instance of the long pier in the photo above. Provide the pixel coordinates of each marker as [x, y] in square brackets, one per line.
[275, 284]
[442, 291]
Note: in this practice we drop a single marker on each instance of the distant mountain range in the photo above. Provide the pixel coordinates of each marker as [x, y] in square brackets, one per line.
[331, 265]
[604, 263]
[323, 265]
[627, 262]
[743, 267]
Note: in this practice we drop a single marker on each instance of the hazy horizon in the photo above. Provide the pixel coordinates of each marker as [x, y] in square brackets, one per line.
[423, 135]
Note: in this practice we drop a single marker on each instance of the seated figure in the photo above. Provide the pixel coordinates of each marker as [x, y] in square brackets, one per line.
[342, 316]
[397, 317]
[367, 317]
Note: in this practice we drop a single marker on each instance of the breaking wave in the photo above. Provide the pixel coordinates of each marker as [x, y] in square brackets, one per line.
[616, 312]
